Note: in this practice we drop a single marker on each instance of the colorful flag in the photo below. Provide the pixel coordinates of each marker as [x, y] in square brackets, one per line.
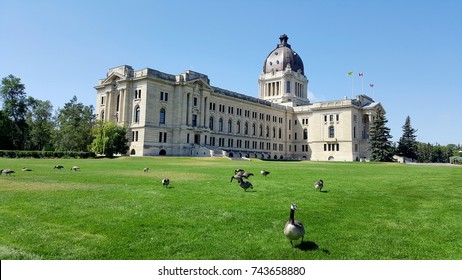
[371, 85]
[360, 74]
[350, 74]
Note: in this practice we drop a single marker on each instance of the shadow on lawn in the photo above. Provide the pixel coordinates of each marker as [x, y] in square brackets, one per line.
[311, 246]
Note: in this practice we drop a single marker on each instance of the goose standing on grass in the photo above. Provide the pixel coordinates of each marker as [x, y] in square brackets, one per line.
[26, 169]
[146, 169]
[75, 168]
[294, 228]
[59, 167]
[319, 184]
[264, 172]
[245, 184]
[165, 182]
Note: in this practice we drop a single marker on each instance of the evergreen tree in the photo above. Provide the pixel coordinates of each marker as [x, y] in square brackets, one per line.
[407, 144]
[379, 139]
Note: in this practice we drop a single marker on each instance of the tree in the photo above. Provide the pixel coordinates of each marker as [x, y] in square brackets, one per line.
[6, 124]
[109, 139]
[74, 123]
[39, 119]
[15, 106]
[379, 139]
[407, 144]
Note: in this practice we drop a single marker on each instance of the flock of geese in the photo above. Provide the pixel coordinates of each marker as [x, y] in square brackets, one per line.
[293, 229]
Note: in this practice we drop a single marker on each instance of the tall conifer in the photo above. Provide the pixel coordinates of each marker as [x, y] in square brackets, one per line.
[379, 139]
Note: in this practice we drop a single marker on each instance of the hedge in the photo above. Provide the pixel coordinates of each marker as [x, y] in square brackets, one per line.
[45, 154]
[455, 160]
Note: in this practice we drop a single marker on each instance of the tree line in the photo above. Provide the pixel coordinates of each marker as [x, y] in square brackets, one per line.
[383, 149]
[29, 124]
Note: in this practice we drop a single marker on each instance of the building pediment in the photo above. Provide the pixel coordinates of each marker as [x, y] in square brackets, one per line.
[199, 84]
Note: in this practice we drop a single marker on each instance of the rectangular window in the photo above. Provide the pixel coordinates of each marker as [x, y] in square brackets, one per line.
[195, 101]
[288, 87]
[194, 120]
[138, 94]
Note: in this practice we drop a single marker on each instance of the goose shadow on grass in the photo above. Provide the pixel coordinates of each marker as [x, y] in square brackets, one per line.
[310, 246]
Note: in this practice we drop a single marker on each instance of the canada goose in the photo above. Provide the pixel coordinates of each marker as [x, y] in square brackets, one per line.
[239, 174]
[319, 184]
[146, 169]
[59, 167]
[75, 168]
[264, 172]
[7, 171]
[244, 184]
[294, 228]
[165, 182]
[26, 169]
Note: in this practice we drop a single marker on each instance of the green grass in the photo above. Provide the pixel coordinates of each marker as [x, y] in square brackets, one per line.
[111, 209]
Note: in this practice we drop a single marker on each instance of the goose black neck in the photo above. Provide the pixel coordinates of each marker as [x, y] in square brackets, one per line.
[292, 214]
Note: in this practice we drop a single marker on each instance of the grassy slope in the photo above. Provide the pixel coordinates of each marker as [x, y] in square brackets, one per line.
[111, 209]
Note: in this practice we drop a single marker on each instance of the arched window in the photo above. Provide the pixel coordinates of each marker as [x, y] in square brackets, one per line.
[274, 132]
[162, 116]
[267, 131]
[261, 130]
[220, 125]
[211, 123]
[137, 114]
[305, 134]
[280, 133]
[238, 127]
[230, 126]
[102, 114]
[331, 131]
[254, 129]
[246, 128]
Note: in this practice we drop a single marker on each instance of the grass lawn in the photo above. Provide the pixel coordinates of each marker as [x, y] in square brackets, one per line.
[111, 209]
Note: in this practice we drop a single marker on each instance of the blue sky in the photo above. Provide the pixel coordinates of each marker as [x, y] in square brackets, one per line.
[410, 50]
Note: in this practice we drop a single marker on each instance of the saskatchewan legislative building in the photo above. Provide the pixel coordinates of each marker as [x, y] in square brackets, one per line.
[184, 115]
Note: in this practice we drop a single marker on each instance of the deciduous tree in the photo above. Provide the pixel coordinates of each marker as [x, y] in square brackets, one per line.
[15, 106]
[109, 139]
[74, 124]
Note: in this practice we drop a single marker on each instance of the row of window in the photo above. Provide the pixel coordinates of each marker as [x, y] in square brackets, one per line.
[247, 113]
[331, 118]
[239, 128]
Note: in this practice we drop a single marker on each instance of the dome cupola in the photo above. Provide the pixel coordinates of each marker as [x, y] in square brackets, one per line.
[282, 58]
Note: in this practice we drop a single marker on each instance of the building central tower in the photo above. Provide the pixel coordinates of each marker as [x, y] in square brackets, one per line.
[283, 77]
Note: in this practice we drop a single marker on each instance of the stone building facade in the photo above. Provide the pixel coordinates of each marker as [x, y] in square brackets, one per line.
[184, 115]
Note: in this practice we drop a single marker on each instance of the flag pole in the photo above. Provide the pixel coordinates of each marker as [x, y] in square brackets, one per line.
[352, 83]
[372, 87]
